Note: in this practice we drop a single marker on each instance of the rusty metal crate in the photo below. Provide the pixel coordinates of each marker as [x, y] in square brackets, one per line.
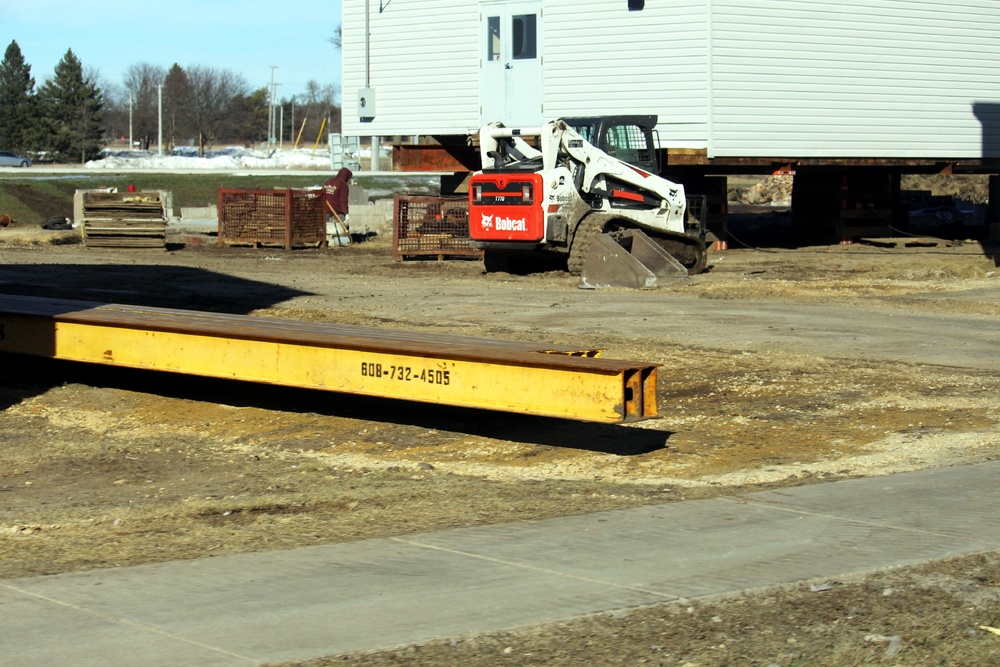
[431, 226]
[282, 218]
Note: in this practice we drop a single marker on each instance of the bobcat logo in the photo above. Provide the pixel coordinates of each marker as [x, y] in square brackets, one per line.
[487, 222]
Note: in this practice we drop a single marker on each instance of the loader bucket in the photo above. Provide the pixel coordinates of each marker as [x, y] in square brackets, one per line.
[627, 259]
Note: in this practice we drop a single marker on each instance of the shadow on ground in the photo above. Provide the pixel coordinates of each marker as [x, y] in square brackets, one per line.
[764, 228]
[143, 285]
[137, 285]
[22, 377]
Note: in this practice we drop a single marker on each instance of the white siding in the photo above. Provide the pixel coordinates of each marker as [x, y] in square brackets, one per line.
[742, 78]
[879, 78]
[424, 66]
[601, 58]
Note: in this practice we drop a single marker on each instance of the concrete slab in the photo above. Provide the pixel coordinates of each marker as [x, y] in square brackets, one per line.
[43, 631]
[334, 599]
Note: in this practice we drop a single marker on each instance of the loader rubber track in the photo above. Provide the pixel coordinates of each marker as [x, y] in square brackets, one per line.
[686, 249]
[586, 232]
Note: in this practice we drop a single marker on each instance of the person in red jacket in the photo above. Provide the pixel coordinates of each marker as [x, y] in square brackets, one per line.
[335, 193]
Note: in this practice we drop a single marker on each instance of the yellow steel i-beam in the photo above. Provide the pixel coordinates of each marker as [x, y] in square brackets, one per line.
[555, 381]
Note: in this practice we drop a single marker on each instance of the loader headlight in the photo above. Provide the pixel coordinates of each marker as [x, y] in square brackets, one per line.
[527, 193]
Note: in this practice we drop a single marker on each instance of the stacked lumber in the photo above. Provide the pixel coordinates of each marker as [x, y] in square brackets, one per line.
[124, 220]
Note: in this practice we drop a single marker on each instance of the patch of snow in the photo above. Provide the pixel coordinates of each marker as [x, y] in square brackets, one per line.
[232, 157]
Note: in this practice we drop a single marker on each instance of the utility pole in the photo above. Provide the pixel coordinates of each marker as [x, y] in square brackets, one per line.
[159, 121]
[278, 120]
[374, 165]
[130, 141]
[270, 113]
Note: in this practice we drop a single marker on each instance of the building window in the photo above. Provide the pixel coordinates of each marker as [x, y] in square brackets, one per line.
[524, 40]
[493, 38]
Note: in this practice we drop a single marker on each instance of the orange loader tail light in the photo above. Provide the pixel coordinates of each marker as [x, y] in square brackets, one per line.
[527, 194]
[477, 194]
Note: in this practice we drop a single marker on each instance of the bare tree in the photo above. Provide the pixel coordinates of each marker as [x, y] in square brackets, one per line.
[312, 92]
[328, 95]
[142, 82]
[319, 109]
[114, 121]
[212, 94]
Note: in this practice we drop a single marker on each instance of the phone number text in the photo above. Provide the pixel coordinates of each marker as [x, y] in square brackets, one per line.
[371, 369]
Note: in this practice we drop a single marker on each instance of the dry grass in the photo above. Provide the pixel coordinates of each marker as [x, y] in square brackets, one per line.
[22, 237]
[924, 616]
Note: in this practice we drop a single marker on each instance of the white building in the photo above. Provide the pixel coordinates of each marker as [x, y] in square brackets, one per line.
[775, 80]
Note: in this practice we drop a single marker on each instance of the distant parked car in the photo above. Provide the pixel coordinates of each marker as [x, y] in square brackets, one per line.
[8, 159]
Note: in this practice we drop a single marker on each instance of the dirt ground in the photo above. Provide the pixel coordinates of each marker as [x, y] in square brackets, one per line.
[779, 368]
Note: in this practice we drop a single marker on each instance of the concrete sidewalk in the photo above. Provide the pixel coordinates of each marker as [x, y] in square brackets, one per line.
[358, 596]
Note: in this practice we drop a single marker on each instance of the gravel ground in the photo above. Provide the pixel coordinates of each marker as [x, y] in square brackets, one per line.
[778, 368]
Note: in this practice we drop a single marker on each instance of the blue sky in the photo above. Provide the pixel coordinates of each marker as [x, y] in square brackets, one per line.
[246, 36]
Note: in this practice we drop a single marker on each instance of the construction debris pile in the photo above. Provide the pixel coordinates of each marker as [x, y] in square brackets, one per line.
[776, 190]
[972, 188]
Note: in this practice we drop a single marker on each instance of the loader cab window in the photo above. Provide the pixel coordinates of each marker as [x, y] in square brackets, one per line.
[493, 38]
[585, 131]
[627, 143]
[524, 37]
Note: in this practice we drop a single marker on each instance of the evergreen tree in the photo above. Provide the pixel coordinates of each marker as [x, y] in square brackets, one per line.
[71, 106]
[176, 97]
[17, 102]
[248, 117]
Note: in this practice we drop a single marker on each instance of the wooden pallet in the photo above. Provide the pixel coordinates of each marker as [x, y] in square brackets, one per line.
[124, 220]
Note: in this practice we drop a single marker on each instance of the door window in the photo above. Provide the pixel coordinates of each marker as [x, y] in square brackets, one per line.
[524, 37]
[493, 38]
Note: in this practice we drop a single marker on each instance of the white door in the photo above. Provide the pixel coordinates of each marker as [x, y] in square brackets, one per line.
[511, 77]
